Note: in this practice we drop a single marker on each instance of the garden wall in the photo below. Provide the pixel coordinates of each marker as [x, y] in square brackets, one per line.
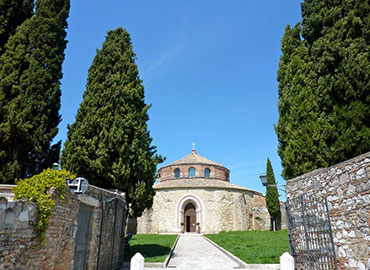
[347, 189]
[19, 245]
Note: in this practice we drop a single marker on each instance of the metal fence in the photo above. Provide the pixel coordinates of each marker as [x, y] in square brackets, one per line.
[111, 244]
[310, 234]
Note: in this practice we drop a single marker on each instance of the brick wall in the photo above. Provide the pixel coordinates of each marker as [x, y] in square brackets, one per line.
[19, 247]
[347, 189]
[216, 172]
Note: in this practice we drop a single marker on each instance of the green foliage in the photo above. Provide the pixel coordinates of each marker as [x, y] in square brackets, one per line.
[40, 189]
[324, 86]
[30, 70]
[12, 14]
[254, 247]
[109, 142]
[272, 195]
[154, 247]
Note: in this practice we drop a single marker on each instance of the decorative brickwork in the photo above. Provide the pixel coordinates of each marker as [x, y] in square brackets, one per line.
[216, 172]
[347, 189]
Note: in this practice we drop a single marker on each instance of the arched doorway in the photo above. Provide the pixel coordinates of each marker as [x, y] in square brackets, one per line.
[189, 205]
[190, 218]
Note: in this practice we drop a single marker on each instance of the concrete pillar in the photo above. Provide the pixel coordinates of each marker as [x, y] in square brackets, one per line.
[286, 262]
[137, 262]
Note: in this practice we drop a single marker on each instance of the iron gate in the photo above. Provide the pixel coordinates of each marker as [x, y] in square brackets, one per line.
[310, 234]
[112, 232]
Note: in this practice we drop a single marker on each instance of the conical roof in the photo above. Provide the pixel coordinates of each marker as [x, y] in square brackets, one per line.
[194, 158]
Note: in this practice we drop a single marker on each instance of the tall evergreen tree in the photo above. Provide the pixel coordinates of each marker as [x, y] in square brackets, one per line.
[30, 70]
[272, 198]
[324, 86]
[109, 142]
[12, 14]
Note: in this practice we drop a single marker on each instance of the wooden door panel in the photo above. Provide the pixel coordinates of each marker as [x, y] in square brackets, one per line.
[190, 218]
[192, 222]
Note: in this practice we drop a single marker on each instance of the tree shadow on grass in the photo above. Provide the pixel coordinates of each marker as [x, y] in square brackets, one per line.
[148, 251]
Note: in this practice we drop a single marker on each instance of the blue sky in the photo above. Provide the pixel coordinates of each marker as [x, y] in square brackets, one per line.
[209, 71]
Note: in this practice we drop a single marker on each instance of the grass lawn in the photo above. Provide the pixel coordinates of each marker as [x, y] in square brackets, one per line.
[154, 247]
[254, 247]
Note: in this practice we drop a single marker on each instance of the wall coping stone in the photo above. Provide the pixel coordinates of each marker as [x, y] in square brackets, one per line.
[86, 199]
[323, 170]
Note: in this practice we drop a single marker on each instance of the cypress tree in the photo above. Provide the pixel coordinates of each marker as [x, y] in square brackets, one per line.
[324, 86]
[30, 70]
[109, 142]
[12, 14]
[272, 198]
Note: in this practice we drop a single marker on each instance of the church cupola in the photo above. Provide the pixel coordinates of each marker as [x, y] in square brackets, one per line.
[193, 166]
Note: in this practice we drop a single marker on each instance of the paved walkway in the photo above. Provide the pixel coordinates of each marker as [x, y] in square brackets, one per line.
[194, 252]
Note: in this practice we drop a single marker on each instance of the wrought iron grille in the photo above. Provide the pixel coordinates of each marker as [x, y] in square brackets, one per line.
[310, 234]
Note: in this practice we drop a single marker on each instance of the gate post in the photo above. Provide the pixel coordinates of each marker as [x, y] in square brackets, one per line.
[286, 262]
[137, 262]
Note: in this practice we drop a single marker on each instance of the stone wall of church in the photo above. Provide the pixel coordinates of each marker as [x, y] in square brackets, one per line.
[218, 210]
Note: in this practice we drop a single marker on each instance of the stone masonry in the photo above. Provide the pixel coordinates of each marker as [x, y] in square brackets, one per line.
[347, 189]
[218, 204]
[19, 246]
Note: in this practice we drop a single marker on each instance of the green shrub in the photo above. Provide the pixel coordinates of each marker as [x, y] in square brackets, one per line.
[40, 189]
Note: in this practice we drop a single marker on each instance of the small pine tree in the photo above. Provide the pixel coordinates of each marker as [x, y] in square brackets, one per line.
[30, 70]
[272, 198]
[109, 142]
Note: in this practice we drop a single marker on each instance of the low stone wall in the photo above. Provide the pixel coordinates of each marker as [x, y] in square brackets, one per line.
[261, 217]
[17, 234]
[347, 189]
[19, 245]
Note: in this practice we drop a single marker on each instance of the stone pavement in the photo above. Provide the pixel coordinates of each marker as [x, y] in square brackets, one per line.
[194, 252]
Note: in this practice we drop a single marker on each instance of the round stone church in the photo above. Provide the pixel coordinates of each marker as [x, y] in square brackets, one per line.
[194, 194]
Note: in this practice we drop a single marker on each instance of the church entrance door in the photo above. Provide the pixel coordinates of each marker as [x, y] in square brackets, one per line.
[190, 217]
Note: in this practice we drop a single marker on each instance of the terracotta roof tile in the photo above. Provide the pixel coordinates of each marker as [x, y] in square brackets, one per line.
[194, 158]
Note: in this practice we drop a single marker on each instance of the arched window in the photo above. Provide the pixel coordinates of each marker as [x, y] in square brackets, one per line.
[177, 173]
[191, 172]
[207, 172]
